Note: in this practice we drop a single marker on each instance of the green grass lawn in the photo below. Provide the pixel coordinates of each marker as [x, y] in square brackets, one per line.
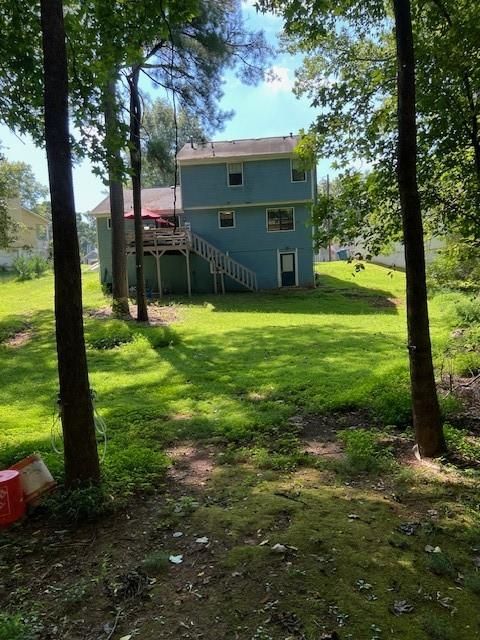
[241, 363]
[228, 374]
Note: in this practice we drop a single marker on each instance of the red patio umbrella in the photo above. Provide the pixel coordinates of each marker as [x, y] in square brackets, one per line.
[150, 214]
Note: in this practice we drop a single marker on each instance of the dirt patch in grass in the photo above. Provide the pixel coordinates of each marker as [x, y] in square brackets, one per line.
[157, 315]
[19, 339]
[193, 465]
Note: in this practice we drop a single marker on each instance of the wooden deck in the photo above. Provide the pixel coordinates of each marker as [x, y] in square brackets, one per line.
[161, 240]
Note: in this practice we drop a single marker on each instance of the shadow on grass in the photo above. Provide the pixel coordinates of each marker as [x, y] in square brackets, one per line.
[332, 296]
[230, 386]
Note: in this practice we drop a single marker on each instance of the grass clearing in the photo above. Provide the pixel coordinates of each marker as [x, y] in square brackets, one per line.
[236, 375]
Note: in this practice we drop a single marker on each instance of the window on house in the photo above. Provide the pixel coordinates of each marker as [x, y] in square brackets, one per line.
[298, 172]
[226, 219]
[280, 219]
[109, 223]
[235, 174]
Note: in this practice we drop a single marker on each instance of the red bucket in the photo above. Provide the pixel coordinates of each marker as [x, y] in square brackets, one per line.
[12, 505]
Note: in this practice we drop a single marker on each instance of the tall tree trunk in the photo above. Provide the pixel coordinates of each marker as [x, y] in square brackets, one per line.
[81, 456]
[136, 164]
[426, 412]
[119, 258]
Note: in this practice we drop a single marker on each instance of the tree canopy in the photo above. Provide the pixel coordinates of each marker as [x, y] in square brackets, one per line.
[164, 132]
[349, 72]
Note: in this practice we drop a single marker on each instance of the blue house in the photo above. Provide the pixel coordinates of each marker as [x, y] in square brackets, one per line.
[241, 220]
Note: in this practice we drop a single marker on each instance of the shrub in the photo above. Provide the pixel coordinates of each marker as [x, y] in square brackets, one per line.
[28, 268]
[457, 267]
[39, 265]
[468, 311]
[107, 334]
[162, 337]
[23, 267]
[363, 452]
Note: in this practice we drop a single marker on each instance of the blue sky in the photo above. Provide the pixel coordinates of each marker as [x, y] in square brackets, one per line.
[269, 109]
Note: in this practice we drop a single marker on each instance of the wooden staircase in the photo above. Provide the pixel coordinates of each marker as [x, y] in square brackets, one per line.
[159, 241]
[223, 264]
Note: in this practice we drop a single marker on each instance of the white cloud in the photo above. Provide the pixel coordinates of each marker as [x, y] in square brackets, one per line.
[279, 80]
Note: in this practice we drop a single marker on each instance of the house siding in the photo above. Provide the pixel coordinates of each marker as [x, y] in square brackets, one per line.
[205, 191]
[205, 185]
[252, 245]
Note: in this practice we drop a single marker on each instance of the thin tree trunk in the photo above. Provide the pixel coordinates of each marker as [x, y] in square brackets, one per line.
[426, 412]
[136, 164]
[81, 456]
[119, 259]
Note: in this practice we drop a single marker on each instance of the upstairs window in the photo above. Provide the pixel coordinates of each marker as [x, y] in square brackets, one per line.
[298, 172]
[235, 174]
[226, 219]
[109, 223]
[280, 219]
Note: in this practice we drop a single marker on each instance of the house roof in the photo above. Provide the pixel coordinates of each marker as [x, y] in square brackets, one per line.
[208, 151]
[158, 199]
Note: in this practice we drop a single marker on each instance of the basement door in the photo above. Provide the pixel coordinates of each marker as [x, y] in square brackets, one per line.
[288, 269]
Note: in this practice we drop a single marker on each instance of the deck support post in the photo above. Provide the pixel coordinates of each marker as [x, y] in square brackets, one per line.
[215, 284]
[189, 282]
[159, 275]
[222, 281]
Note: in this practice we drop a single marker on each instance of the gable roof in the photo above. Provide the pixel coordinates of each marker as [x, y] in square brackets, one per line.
[160, 198]
[14, 207]
[208, 151]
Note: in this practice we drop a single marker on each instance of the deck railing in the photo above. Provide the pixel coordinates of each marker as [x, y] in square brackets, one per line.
[182, 238]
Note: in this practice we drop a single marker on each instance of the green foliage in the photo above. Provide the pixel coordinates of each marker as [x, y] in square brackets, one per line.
[162, 138]
[107, 334]
[441, 565]
[80, 505]
[459, 442]
[363, 452]
[156, 562]
[28, 268]
[11, 325]
[349, 72]
[13, 628]
[129, 468]
[21, 183]
[457, 267]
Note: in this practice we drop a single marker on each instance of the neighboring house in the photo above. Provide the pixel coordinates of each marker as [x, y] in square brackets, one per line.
[90, 258]
[395, 258]
[32, 235]
[243, 221]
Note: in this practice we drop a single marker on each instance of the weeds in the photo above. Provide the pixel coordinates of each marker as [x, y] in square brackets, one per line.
[363, 451]
[156, 562]
[13, 628]
[441, 565]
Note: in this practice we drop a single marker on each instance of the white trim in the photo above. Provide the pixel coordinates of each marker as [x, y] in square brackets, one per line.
[279, 267]
[233, 186]
[227, 211]
[291, 173]
[279, 204]
[241, 158]
[279, 230]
